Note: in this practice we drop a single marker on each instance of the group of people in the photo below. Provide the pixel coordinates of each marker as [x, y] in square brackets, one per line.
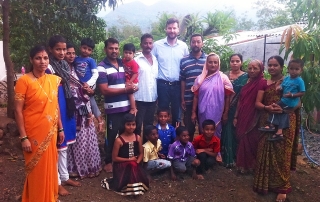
[232, 110]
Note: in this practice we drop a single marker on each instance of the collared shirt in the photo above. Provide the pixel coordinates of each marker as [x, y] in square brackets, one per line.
[167, 137]
[115, 78]
[190, 68]
[150, 151]
[169, 58]
[199, 142]
[147, 77]
[180, 152]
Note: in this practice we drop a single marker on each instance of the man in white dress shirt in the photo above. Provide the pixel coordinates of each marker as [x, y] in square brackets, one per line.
[147, 95]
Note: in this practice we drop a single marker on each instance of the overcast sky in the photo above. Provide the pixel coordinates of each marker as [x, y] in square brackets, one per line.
[241, 4]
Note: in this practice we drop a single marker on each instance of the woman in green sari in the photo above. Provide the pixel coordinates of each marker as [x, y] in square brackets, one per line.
[238, 79]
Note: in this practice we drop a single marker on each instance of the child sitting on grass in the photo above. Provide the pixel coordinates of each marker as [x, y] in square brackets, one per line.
[167, 133]
[182, 155]
[207, 146]
[152, 158]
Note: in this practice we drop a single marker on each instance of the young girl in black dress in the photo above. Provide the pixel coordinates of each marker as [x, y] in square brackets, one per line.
[129, 177]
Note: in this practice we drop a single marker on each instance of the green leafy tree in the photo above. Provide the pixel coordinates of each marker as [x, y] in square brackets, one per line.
[219, 22]
[131, 39]
[274, 14]
[26, 23]
[245, 24]
[98, 53]
[157, 28]
[305, 44]
[190, 24]
[224, 52]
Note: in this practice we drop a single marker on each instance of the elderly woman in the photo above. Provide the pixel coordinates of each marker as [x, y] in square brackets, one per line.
[246, 118]
[212, 90]
[38, 118]
[275, 159]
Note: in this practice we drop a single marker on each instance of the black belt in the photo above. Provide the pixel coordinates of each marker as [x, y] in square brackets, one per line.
[173, 83]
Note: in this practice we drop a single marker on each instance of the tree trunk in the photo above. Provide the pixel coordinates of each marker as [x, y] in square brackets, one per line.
[7, 59]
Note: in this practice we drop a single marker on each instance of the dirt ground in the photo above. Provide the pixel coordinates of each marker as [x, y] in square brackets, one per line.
[220, 185]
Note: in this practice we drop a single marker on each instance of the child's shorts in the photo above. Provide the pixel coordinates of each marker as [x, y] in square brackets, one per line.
[183, 165]
[158, 164]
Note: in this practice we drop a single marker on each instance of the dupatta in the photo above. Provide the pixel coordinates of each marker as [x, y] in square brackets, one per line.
[247, 112]
[225, 80]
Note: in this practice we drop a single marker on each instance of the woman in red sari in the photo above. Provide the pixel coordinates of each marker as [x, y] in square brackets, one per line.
[246, 118]
[275, 159]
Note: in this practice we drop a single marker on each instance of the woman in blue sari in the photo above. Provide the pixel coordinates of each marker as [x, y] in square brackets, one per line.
[238, 79]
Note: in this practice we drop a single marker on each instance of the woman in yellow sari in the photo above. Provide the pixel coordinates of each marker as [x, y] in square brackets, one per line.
[38, 118]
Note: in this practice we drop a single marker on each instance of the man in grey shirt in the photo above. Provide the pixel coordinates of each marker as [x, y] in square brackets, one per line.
[169, 51]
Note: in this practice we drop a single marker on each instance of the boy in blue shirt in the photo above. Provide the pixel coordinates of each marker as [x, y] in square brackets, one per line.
[87, 72]
[293, 89]
[167, 133]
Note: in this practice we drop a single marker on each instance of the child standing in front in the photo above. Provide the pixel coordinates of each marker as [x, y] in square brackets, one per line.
[152, 158]
[167, 133]
[182, 155]
[207, 146]
[131, 69]
[87, 73]
[129, 178]
[293, 89]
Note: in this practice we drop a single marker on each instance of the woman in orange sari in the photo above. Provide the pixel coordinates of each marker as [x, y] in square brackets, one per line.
[38, 118]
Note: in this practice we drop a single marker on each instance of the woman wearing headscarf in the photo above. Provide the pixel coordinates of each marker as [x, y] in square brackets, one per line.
[246, 118]
[212, 90]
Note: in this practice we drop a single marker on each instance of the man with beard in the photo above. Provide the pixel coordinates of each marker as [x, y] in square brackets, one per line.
[111, 82]
[147, 95]
[190, 67]
[169, 51]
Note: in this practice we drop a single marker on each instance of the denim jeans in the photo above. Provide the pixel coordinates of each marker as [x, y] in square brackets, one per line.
[170, 96]
[94, 107]
[145, 114]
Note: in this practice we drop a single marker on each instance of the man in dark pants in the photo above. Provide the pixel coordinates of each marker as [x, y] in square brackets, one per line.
[111, 83]
[147, 95]
[169, 51]
[190, 67]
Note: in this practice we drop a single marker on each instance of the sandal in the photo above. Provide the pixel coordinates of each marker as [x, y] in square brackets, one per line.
[267, 128]
[275, 137]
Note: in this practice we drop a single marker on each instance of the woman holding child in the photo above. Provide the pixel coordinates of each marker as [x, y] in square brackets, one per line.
[246, 118]
[238, 79]
[84, 155]
[275, 159]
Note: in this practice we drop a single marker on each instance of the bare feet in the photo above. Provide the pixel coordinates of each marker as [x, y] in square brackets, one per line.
[200, 177]
[62, 191]
[72, 183]
[108, 168]
[281, 198]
